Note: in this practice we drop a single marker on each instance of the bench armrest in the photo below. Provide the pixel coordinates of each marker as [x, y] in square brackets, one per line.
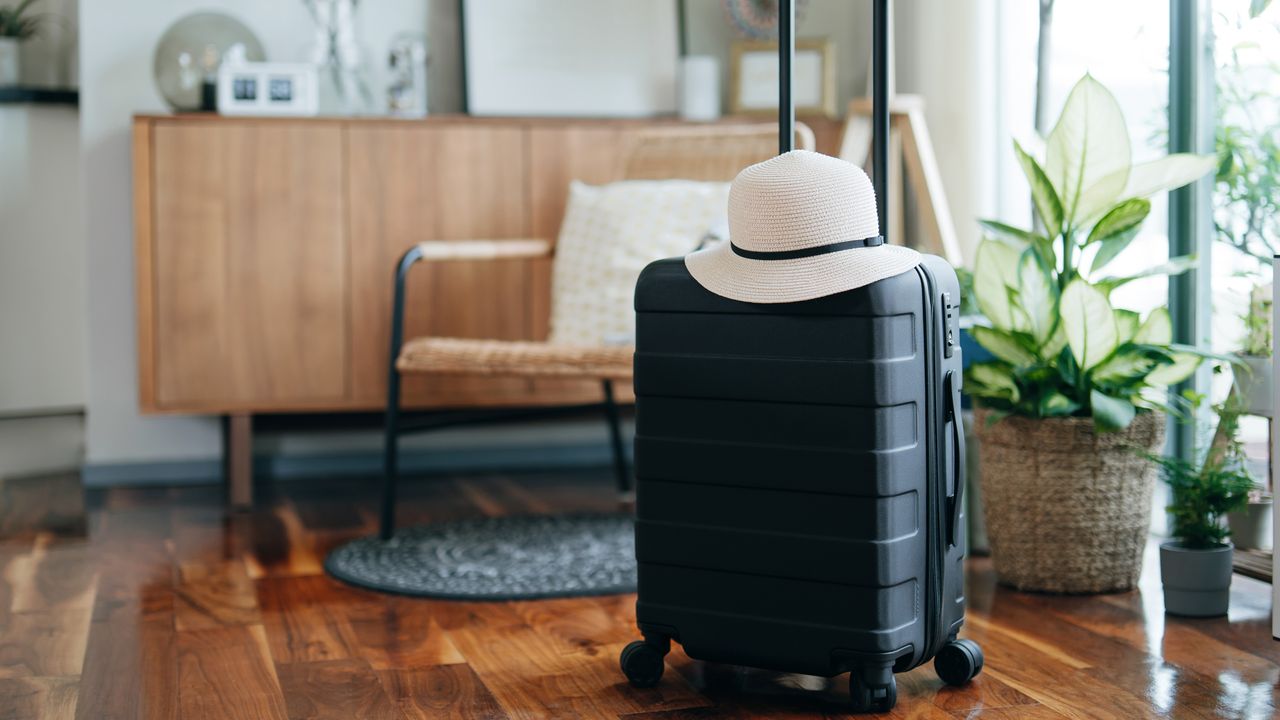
[433, 250]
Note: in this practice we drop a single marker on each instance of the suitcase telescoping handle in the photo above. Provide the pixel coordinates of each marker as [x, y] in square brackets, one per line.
[879, 95]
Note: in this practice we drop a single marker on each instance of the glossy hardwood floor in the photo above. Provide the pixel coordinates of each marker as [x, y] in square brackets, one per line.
[151, 604]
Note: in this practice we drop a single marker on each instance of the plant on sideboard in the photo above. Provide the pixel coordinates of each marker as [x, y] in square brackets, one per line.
[1075, 382]
[1195, 566]
[17, 23]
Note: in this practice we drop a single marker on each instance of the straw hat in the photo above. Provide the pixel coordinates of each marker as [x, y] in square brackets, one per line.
[801, 226]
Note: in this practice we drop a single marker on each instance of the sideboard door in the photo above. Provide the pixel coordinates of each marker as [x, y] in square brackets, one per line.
[411, 182]
[248, 263]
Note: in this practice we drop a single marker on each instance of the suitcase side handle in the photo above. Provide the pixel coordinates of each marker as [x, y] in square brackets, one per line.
[952, 389]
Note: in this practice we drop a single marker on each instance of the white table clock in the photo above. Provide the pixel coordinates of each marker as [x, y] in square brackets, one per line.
[252, 88]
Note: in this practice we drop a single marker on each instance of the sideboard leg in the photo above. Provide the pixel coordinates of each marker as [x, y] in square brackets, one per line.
[237, 459]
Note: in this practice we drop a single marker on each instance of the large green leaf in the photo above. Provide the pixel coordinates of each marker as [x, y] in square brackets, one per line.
[1123, 367]
[1120, 219]
[1167, 173]
[995, 270]
[1127, 322]
[992, 380]
[1111, 413]
[1048, 203]
[1175, 266]
[1156, 330]
[1087, 153]
[1057, 342]
[1003, 345]
[1036, 295]
[1182, 367]
[1109, 248]
[1055, 404]
[1008, 232]
[1089, 322]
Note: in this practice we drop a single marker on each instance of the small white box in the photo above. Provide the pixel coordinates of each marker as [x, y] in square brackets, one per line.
[250, 88]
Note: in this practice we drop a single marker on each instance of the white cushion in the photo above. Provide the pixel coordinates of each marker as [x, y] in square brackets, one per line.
[610, 232]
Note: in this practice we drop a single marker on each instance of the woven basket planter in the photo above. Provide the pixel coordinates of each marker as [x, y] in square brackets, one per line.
[1068, 509]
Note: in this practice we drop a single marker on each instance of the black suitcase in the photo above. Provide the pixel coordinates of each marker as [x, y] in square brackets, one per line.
[799, 473]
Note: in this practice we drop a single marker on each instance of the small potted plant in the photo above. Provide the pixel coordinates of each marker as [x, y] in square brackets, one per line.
[1253, 373]
[1195, 566]
[1074, 383]
[16, 25]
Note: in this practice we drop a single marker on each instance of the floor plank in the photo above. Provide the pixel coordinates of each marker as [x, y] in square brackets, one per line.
[47, 698]
[445, 691]
[399, 634]
[213, 596]
[304, 617]
[225, 674]
[335, 690]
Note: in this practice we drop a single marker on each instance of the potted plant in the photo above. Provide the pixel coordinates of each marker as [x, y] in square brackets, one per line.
[1253, 387]
[1195, 566]
[16, 25]
[1252, 374]
[1075, 384]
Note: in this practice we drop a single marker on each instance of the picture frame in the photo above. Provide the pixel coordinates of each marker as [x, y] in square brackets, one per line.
[570, 58]
[753, 82]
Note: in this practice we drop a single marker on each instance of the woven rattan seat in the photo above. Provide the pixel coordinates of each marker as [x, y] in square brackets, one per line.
[517, 358]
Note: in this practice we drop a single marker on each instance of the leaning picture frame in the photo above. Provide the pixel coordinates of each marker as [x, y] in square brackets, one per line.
[753, 83]
[570, 58]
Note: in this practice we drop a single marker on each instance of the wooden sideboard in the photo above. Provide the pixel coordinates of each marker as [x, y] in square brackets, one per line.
[265, 250]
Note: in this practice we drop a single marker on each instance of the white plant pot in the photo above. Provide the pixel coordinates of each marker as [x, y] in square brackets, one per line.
[1251, 526]
[10, 66]
[1254, 384]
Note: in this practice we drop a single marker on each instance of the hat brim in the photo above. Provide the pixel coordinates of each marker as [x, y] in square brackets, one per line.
[729, 275]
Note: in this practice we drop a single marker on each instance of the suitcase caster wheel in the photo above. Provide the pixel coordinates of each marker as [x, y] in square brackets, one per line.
[642, 663]
[958, 662]
[872, 699]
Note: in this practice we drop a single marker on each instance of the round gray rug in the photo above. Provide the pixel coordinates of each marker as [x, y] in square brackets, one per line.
[506, 558]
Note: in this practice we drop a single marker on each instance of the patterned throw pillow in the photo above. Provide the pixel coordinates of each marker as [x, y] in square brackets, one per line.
[610, 232]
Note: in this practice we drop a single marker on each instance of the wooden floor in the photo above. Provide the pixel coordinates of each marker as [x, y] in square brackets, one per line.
[153, 605]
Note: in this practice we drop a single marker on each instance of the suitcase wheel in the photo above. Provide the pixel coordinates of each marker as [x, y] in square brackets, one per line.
[958, 662]
[868, 698]
[642, 662]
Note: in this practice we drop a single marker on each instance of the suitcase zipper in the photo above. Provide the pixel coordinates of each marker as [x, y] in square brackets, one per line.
[936, 480]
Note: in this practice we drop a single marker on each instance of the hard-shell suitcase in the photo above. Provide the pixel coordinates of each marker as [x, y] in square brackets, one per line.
[799, 474]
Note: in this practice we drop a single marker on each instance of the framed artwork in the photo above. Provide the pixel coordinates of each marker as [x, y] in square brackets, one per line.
[753, 83]
[592, 58]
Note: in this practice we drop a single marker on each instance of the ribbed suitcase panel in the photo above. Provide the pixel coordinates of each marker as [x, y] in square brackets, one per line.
[807, 536]
[825, 382]
[783, 556]
[815, 337]
[866, 473]
[830, 605]
[765, 642]
[781, 512]
[778, 424]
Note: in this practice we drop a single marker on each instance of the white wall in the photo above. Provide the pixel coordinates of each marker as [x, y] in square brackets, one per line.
[117, 40]
[947, 53]
[41, 255]
[41, 261]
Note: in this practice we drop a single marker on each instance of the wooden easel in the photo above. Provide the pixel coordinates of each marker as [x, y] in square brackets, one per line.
[911, 149]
